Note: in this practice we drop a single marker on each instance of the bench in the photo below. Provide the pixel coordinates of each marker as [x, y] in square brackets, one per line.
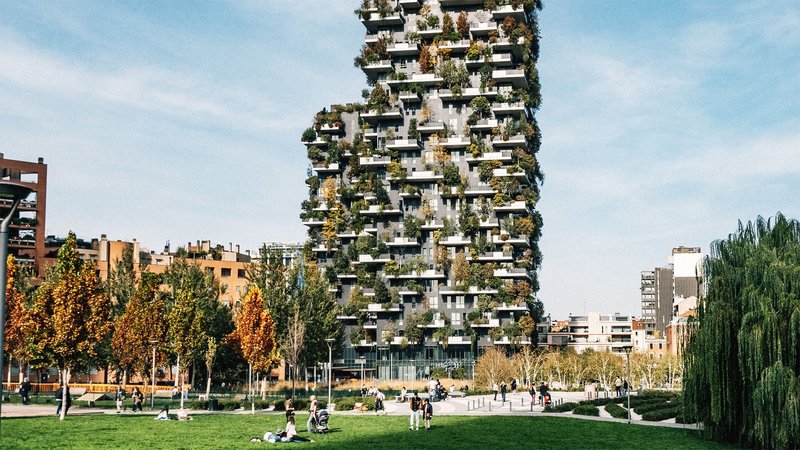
[400, 399]
[164, 393]
[91, 397]
[240, 397]
[455, 394]
[77, 392]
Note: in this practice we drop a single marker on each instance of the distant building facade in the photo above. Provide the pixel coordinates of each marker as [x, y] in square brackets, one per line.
[27, 229]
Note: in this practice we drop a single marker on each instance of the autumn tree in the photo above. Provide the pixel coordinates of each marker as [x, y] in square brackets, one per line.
[462, 25]
[143, 321]
[120, 288]
[255, 332]
[493, 367]
[425, 59]
[193, 308]
[72, 313]
[17, 318]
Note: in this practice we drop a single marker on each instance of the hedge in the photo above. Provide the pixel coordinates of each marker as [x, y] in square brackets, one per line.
[586, 410]
[651, 407]
[598, 401]
[616, 411]
[661, 414]
[226, 405]
[564, 407]
[348, 403]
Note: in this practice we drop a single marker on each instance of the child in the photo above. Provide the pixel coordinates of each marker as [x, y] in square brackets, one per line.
[427, 412]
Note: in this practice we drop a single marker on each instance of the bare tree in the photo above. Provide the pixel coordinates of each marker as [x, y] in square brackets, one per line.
[293, 343]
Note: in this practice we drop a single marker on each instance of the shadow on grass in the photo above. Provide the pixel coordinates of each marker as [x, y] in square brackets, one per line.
[353, 432]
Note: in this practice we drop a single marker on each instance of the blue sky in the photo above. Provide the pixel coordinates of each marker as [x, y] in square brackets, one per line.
[664, 123]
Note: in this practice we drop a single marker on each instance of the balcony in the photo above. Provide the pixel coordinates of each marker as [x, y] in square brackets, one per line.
[455, 46]
[377, 67]
[517, 307]
[368, 259]
[482, 28]
[459, 340]
[409, 97]
[477, 191]
[515, 206]
[403, 48]
[317, 142]
[489, 223]
[497, 60]
[504, 172]
[517, 77]
[429, 33]
[380, 210]
[403, 242]
[330, 167]
[313, 223]
[471, 290]
[330, 129]
[513, 141]
[520, 240]
[492, 323]
[484, 125]
[466, 94]
[431, 127]
[508, 108]
[503, 156]
[425, 79]
[392, 113]
[435, 323]
[511, 273]
[380, 307]
[453, 3]
[374, 161]
[365, 343]
[409, 3]
[519, 340]
[403, 144]
[423, 176]
[373, 21]
[454, 241]
[504, 11]
[433, 225]
[455, 142]
[496, 257]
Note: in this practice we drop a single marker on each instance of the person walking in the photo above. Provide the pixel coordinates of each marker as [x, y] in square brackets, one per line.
[503, 389]
[494, 389]
[138, 398]
[312, 414]
[532, 391]
[625, 387]
[119, 397]
[415, 412]
[514, 386]
[379, 397]
[618, 386]
[24, 391]
[427, 413]
[63, 400]
[288, 405]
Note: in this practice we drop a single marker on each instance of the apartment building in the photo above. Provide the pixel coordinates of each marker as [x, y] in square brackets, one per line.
[27, 229]
[669, 291]
[595, 331]
[422, 203]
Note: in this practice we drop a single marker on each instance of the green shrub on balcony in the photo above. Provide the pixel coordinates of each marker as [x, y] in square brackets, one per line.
[308, 135]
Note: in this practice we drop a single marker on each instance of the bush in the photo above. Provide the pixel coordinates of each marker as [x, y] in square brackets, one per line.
[199, 404]
[564, 407]
[651, 407]
[263, 404]
[229, 405]
[345, 404]
[597, 401]
[661, 414]
[616, 411]
[586, 410]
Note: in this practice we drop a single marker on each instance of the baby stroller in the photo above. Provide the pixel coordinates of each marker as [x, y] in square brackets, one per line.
[320, 422]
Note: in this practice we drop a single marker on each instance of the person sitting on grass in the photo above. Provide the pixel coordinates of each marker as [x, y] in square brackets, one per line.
[290, 435]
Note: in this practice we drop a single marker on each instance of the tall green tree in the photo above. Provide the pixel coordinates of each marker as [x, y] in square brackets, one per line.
[742, 376]
[72, 314]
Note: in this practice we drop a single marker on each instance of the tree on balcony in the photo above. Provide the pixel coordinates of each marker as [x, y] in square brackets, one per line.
[378, 100]
[462, 25]
[454, 75]
[426, 64]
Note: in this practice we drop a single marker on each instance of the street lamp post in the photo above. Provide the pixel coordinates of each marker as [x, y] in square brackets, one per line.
[153, 375]
[329, 341]
[14, 193]
[628, 349]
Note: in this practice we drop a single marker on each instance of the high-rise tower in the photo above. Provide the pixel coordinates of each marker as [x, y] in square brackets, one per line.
[422, 200]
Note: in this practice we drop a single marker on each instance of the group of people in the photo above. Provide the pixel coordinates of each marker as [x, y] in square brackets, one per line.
[119, 397]
[422, 408]
[373, 391]
[621, 387]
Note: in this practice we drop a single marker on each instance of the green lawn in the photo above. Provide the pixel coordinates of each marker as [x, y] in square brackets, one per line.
[223, 431]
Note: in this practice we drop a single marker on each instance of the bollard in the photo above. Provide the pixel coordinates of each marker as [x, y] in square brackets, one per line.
[490, 406]
[509, 406]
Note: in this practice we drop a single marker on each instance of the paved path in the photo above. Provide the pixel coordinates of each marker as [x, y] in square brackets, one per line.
[479, 405]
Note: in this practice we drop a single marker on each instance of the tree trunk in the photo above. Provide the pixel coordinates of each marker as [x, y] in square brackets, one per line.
[194, 372]
[183, 386]
[64, 394]
[208, 380]
[105, 374]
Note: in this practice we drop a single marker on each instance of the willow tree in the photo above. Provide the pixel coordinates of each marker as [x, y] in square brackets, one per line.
[743, 358]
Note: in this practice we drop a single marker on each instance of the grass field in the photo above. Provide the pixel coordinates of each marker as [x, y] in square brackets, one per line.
[222, 431]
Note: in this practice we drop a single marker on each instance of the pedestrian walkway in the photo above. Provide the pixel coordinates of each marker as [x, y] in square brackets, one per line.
[475, 405]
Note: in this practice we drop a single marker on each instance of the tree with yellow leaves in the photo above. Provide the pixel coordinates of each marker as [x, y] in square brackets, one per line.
[17, 319]
[72, 314]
